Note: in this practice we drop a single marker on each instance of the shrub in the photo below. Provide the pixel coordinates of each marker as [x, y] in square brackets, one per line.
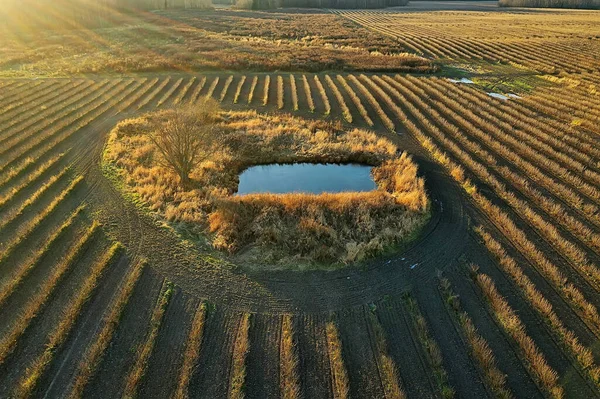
[182, 139]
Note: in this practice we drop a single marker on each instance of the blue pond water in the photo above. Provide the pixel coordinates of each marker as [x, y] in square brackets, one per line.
[306, 178]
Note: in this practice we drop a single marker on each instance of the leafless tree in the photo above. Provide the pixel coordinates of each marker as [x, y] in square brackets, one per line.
[187, 138]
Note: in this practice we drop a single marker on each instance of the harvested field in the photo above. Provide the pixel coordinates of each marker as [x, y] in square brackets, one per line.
[99, 299]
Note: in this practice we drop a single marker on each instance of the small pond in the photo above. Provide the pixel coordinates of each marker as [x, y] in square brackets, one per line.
[306, 178]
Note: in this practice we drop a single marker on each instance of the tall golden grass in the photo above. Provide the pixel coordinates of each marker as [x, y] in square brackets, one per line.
[495, 213]
[241, 347]
[238, 89]
[37, 302]
[280, 92]
[340, 99]
[30, 115]
[58, 336]
[339, 374]
[29, 179]
[252, 88]
[225, 88]
[550, 206]
[152, 95]
[574, 254]
[546, 377]
[169, 92]
[192, 353]
[93, 356]
[430, 347]
[197, 90]
[47, 186]
[374, 103]
[184, 91]
[294, 91]
[145, 86]
[265, 99]
[24, 231]
[355, 99]
[388, 372]
[16, 133]
[480, 349]
[323, 95]
[212, 87]
[17, 277]
[144, 350]
[566, 337]
[289, 379]
[308, 94]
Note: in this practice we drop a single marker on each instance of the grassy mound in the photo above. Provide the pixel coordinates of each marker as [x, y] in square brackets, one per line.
[283, 230]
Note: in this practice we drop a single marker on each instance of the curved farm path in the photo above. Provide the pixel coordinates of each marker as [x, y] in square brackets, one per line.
[442, 242]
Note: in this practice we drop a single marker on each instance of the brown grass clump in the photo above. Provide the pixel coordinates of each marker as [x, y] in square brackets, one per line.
[283, 229]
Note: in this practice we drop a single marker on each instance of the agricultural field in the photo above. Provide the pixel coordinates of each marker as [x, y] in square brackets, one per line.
[497, 297]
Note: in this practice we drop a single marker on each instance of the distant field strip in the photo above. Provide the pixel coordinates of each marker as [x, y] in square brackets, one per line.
[545, 43]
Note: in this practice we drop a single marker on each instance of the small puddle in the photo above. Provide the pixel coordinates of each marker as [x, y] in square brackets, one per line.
[306, 178]
[462, 80]
[498, 95]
